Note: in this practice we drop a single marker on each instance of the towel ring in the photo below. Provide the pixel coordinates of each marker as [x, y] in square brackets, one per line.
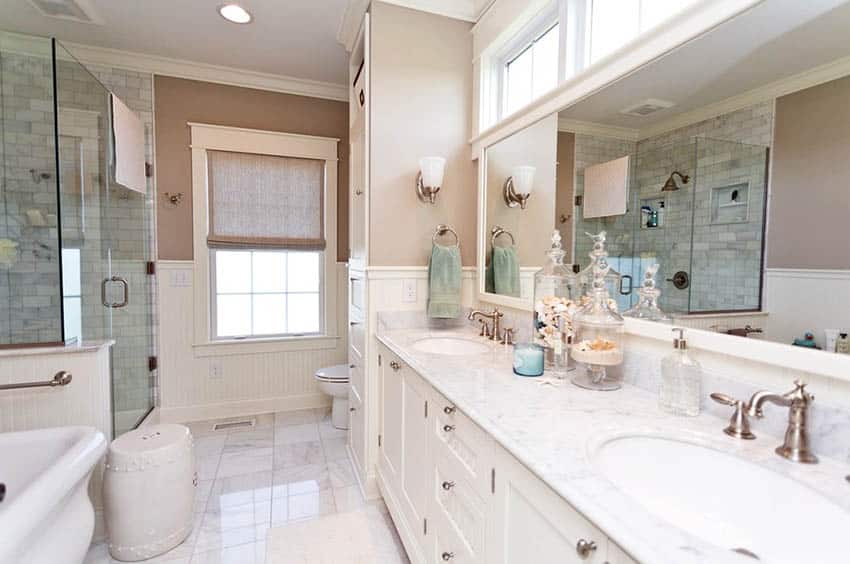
[496, 232]
[442, 230]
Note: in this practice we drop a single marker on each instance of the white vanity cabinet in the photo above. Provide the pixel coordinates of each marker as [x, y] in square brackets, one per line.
[458, 497]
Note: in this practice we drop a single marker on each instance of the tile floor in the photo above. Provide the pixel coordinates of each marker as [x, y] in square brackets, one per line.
[290, 467]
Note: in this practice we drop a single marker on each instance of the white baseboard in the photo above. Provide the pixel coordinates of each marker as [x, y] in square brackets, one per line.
[241, 408]
[408, 539]
[368, 485]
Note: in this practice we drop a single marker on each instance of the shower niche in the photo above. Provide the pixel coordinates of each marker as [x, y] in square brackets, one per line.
[730, 204]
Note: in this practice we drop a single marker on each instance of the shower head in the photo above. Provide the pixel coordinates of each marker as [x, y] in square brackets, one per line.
[670, 185]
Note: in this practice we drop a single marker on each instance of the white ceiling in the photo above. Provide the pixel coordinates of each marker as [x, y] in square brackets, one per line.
[295, 38]
[774, 41]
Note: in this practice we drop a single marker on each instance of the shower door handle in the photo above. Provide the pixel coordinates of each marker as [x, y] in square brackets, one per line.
[124, 301]
[622, 278]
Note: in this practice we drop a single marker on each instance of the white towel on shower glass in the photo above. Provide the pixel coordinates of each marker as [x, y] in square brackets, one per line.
[606, 188]
[128, 137]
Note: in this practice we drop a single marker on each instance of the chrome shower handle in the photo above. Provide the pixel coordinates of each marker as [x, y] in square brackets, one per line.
[124, 301]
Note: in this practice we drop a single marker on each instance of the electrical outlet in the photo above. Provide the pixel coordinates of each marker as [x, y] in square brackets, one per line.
[216, 372]
[408, 291]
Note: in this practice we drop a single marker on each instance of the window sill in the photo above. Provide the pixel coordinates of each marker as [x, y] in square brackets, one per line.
[261, 346]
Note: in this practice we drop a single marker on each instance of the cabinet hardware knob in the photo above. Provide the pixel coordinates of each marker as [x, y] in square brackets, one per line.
[352, 409]
[449, 409]
[585, 548]
[448, 556]
[448, 428]
[395, 365]
[447, 485]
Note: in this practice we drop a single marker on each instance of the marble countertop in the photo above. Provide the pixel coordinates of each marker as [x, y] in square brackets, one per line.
[551, 429]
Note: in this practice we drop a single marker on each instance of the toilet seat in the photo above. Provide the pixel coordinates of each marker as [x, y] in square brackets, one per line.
[337, 373]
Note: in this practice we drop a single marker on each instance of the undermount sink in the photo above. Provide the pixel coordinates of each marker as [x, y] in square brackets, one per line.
[725, 500]
[450, 346]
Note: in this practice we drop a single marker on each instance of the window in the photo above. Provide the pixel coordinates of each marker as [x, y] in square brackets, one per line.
[72, 298]
[265, 250]
[613, 23]
[533, 71]
[262, 293]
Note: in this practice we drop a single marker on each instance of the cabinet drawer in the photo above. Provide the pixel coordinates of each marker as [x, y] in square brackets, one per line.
[463, 444]
[450, 548]
[356, 297]
[617, 555]
[357, 339]
[458, 507]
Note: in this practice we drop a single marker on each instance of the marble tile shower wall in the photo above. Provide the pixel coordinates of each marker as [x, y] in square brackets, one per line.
[725, 257]
[29, 279]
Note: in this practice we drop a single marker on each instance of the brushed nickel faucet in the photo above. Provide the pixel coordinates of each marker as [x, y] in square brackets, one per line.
[798, 400]
[796, 445]
[495, 316]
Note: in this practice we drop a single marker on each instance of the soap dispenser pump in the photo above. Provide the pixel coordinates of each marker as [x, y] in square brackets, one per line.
[681, 380]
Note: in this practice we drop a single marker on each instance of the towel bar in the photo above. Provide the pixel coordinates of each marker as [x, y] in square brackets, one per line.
[61, 378]
[442, 230]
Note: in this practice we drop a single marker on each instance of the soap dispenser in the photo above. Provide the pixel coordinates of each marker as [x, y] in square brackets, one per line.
[681, 380]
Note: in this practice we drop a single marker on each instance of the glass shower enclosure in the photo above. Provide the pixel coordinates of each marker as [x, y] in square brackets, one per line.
[75, 245]
[706, 230]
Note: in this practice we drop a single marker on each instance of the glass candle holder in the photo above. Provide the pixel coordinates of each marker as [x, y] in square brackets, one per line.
[528, 359]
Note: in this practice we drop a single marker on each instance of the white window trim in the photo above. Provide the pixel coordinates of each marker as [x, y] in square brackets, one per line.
[222, 138]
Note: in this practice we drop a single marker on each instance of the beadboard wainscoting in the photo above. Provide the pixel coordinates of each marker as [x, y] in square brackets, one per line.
[202, 381]
[802, 300]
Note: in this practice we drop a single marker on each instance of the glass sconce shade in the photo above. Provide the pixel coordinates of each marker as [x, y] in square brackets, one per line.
[430, 178]
[523, 177]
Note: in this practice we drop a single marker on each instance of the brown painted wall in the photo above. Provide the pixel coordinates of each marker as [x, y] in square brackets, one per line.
[421, 102]
[810, 183]
[178, 101]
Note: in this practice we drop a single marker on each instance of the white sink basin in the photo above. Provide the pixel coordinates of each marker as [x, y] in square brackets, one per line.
[450, 346]
[46, 516]
[725, 500]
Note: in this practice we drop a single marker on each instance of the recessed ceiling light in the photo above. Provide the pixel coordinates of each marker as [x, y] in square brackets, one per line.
[235, 13]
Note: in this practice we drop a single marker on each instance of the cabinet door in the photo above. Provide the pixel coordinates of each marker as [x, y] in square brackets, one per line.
[357, 429]
[415, 462]
[390, 456]
[531, 523]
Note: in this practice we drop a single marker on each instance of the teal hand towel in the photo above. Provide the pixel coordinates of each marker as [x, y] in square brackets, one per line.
[444, 282]
[489, 283]
[506, 271]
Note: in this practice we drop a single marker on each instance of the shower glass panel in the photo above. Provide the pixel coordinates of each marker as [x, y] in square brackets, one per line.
[30, 294]
[706, 234]
[105, 230]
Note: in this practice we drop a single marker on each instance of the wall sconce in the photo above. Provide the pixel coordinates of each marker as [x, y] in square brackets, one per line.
[430, 178]
[519, 185]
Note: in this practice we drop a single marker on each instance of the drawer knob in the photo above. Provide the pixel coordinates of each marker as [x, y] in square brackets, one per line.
[395, 365]
[448, 556]
[449, 409]
[447, 485]
[448, 428]
[585, 548]
[352, 409]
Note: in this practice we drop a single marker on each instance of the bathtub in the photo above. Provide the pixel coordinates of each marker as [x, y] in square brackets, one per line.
[46, 516]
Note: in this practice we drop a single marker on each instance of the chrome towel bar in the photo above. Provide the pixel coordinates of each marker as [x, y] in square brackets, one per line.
[61, 378]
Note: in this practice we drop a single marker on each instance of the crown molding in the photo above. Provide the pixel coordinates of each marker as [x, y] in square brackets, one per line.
[349, 27]
[465, 10]
[812, 77]
[180, 68]
[598, 129]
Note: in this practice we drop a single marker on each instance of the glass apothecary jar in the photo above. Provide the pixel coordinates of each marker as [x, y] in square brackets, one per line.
[554, 308]
[599, 256]
[598, 344]
[647, 307]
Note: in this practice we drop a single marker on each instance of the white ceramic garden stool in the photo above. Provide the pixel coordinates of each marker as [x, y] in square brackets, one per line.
[149, 491]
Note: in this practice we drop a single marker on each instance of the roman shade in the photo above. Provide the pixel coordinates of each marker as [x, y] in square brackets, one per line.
[265, 201]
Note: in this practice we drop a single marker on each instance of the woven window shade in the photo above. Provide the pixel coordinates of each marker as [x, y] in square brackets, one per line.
[265, 201]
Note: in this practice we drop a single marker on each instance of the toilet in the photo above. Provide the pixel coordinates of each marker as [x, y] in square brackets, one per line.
[333, 381]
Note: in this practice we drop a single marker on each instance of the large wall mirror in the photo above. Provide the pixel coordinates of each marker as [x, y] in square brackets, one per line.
[726, 162]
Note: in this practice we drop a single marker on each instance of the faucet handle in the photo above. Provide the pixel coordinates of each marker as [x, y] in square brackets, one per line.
[508, 338]
[739, 425]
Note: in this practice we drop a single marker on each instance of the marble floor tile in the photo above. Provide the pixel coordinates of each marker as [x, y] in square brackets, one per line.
[262, 437]
[212, 539]
[300, 480]
[311, 505]
[299, 417]
[341, 473]
[289, 434]
[298, 454]
[254, 553]
[335, 449]
[328, 431]
[280, 511]
[348, 498]
[245, 461]
[236, 490]
[218, 519]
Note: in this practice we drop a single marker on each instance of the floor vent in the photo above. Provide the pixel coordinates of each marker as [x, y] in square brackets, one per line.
[80, 11]
[239, 424]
